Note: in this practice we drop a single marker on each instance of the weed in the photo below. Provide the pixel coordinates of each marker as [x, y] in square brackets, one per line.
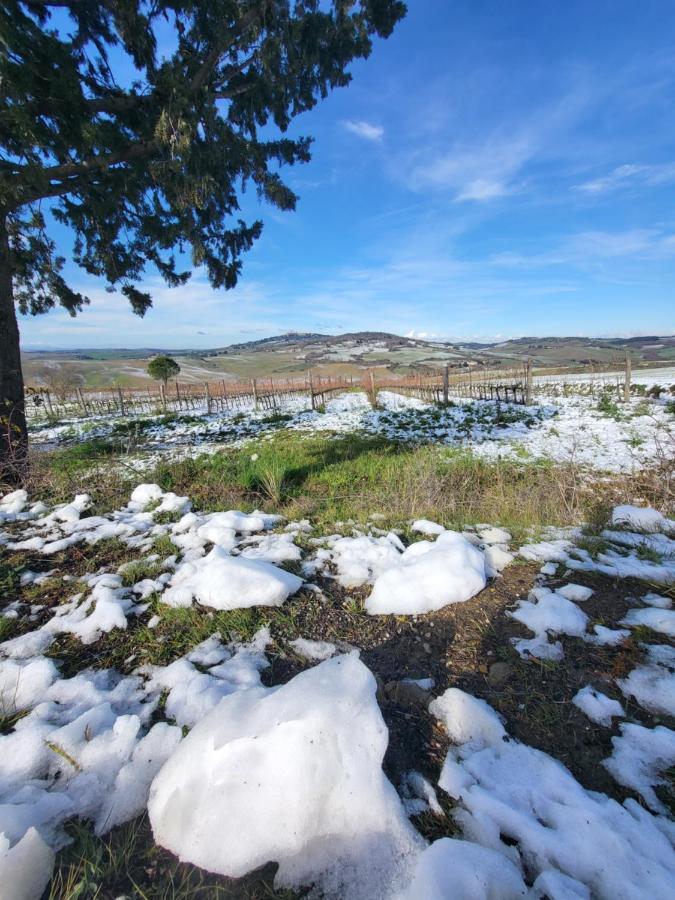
[648, 554]
[609, 407]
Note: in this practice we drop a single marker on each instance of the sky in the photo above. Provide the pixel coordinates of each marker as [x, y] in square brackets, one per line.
[494, 170]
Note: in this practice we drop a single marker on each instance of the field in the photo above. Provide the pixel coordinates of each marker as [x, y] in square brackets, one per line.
[350, 649]
[346, 355]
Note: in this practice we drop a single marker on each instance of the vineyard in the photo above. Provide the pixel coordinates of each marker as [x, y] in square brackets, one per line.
[518, 385]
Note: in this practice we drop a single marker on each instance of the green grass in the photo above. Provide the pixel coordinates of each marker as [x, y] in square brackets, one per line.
[138, 569]
[337, 477]
[7, 628]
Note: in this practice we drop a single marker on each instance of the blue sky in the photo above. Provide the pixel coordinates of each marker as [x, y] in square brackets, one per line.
[494, 170]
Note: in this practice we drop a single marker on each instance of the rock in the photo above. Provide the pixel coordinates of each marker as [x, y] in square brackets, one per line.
[498, 673]
[406, 693]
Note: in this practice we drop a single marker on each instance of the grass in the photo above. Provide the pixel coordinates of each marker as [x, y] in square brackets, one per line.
[331, 478]
[127, 863]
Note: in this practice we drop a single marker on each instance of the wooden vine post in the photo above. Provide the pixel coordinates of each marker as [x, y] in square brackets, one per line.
[626, 383]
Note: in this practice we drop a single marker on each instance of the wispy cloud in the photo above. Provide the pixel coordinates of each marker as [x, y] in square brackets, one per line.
[480, 172]
[630, 175]
[364, 129]
[595, 246]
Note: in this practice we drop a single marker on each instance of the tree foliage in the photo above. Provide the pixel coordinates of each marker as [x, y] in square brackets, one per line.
[161, 368]
[142, 152]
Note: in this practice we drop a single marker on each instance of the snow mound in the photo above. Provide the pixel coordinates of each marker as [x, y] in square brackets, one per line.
[26, 867]
[653, 684]
[662, 620]
[576, 592]
[639, 756]
[429, 576]
[291, 774]
[360, 560]
[318, 650]
[642, 518]
[550, 612]
[494, 536]
[230, 582]
[467, 719]
[425, 526]
[597, 706]
[451, 868]
[22, 684]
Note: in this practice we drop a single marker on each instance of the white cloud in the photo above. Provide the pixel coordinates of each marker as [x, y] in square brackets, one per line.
[630, 175]
[363, 129]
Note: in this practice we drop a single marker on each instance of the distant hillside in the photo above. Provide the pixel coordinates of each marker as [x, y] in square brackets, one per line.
[295, 353]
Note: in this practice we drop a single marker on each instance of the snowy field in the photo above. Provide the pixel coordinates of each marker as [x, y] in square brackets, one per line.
[236, 766]
[574, 420]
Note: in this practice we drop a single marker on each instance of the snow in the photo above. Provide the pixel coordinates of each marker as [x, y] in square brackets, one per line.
[549, 611]
[597, 706]
[452, 868]
[226, 582]
[662, 620]
[316, 650]
[641, 518]
[653, 684]
[21, 682]
[192, 693]
[576, 592]
[424, 526]
[528, 807]
[467, 719]
[290, 774]
[362, 559]
[494, 536]
[652, 599]
[497, 558]
[419, 795]
[608, 637]
[428, 576]
[297, 768]
[540, 647]
[639, 756]
[26, 867]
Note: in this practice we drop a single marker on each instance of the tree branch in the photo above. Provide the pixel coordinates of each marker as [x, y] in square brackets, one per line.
[216, 52]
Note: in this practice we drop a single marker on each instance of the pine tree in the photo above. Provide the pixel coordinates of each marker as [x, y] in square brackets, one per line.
[161, 368]
[139, 166]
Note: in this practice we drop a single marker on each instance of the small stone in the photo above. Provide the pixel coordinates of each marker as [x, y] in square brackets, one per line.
[426, 647]
[498, 673]
[406, 693]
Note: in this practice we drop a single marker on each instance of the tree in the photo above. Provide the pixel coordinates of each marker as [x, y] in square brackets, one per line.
[161, 368]
[141, 153]
[62, 380]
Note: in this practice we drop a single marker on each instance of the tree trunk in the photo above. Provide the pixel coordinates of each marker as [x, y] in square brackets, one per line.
[13, 434]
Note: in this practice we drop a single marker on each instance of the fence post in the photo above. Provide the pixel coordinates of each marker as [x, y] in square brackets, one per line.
[49, 403]
[178, 397]
[254, 385]
[626, 383]
[121, 399]
[208, 398]
[446, 384]
[528, 382]
[80, 397]
[162, 394]
[311, 389]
